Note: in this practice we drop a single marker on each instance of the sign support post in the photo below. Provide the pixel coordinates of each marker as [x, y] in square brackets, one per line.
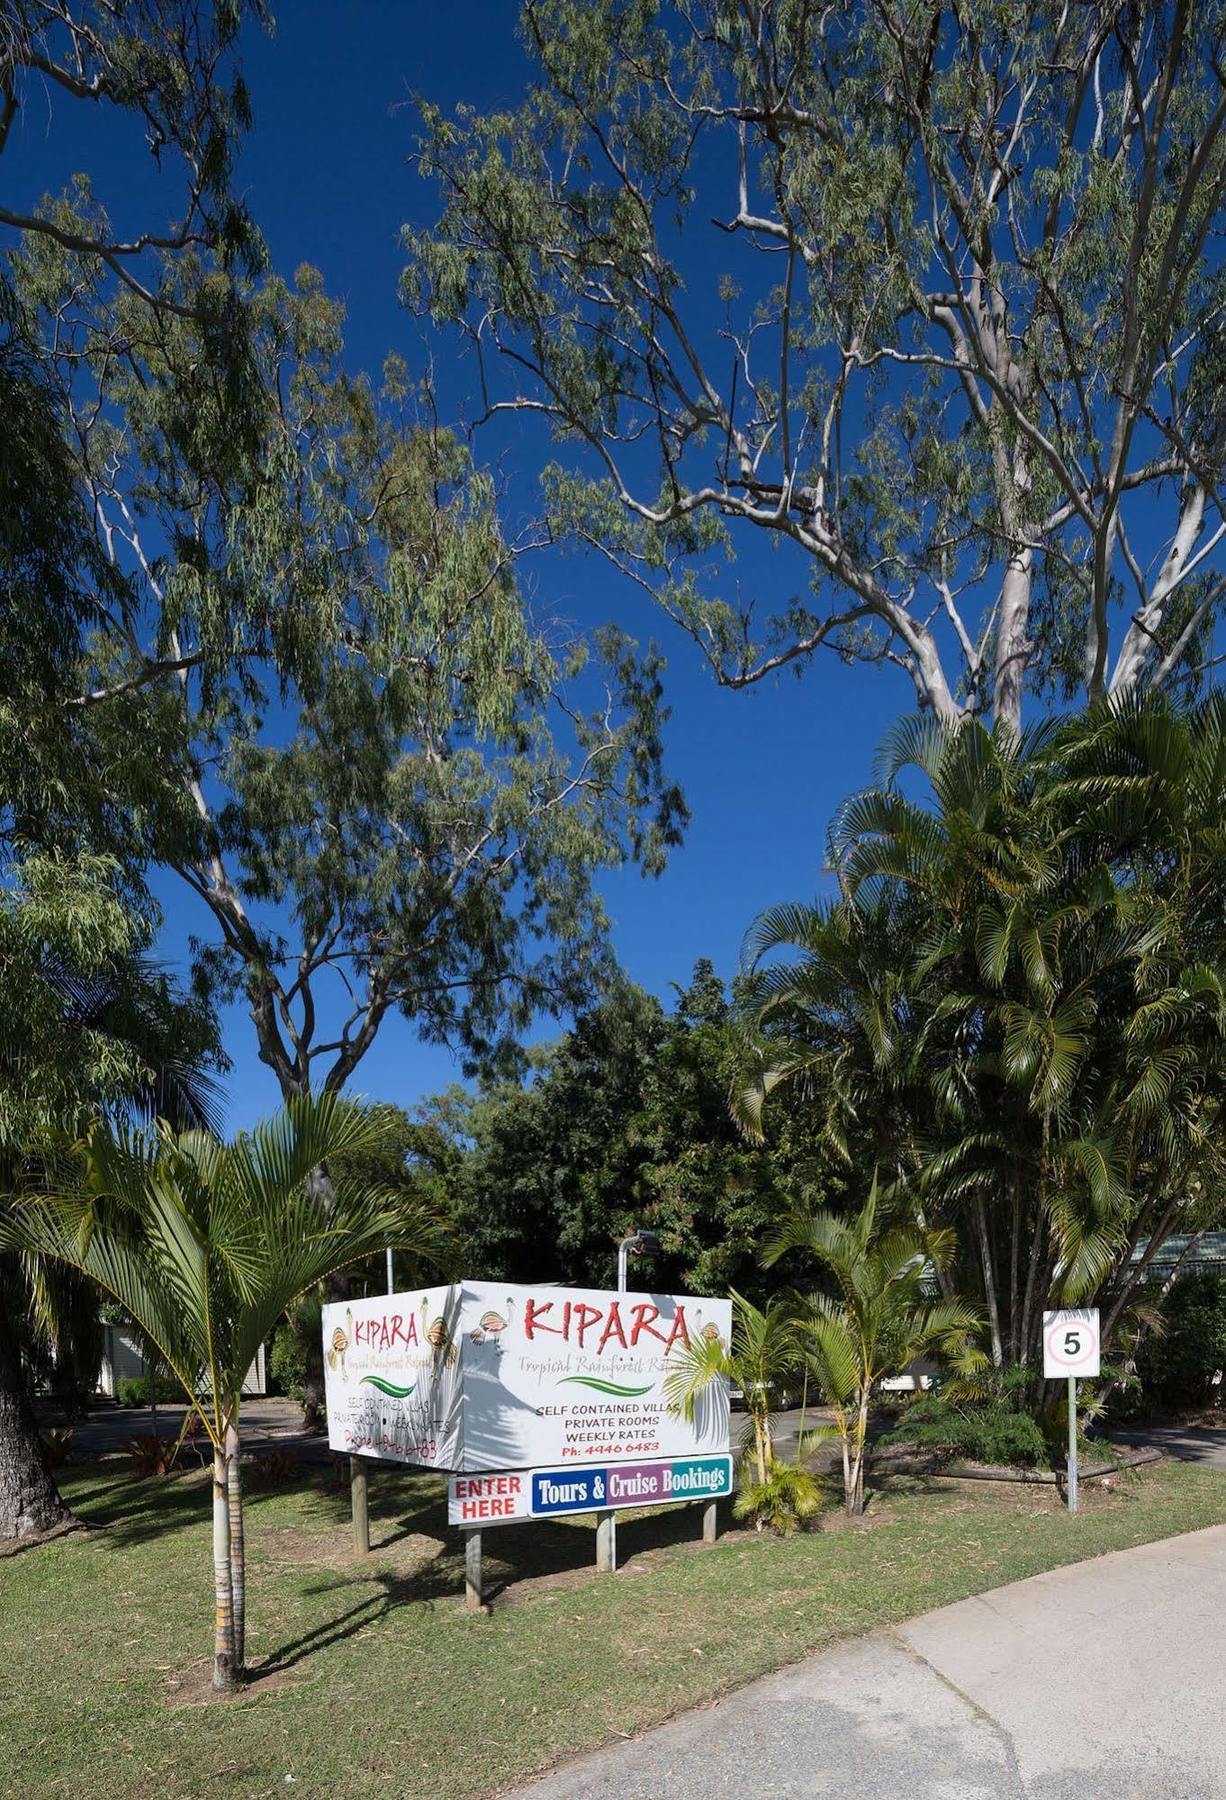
[1072, 1443]
[606, 1543]
[710, 1522]
[358, 1503]
[474, 1598]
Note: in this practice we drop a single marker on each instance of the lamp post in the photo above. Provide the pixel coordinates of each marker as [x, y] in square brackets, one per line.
[637, 1243]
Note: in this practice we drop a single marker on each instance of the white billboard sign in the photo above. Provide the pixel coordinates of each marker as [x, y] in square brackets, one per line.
[491, 1376]
[1071, 1344]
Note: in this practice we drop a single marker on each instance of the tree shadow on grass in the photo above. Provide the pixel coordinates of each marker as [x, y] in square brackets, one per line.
[516, 1556]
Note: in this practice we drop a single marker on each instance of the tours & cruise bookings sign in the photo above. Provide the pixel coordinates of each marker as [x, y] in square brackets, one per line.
[479, 1500]
[485, 1376]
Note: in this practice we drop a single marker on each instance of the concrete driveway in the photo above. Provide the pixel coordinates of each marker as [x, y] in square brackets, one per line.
[1104, 1681]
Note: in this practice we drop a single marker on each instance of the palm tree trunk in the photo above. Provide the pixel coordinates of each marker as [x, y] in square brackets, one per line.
[338, 1287]
[1015, 1234]
[759, 1446]
[238, 1571]
[223, 1591]
[30, 1502]
[855, 1497]
[989, 1281]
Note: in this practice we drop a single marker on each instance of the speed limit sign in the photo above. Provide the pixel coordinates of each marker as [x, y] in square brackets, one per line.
[1071, 1343]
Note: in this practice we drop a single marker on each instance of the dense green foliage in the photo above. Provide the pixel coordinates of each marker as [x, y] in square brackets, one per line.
[1182, 1365]
[954, 344]
[624, 1122]
[1018, 1003]
[992, 1427]
[147, 1390]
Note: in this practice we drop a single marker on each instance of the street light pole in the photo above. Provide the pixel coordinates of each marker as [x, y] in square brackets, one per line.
[638, 1243]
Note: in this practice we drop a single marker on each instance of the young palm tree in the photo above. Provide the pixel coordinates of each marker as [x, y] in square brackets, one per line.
[205, 1245]
[879, 1323]
[762, 1359]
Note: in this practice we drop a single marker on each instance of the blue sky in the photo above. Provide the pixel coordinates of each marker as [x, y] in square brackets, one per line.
[327, 176]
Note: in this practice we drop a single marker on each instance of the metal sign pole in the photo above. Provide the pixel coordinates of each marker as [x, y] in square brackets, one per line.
[1072, 1443]
[606, 1522]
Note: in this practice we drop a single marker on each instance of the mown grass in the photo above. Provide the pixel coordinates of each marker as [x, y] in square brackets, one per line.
[376, 1679]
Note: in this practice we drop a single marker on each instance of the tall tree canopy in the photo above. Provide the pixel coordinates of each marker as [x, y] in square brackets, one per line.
[88, 1024]
[383, 777]
[927, 293]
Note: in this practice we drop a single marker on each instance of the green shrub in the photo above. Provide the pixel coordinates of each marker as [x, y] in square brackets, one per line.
[1178, 1368]
[988, 1429]
[789, 1495]
[144, 1390]
[287, 1360]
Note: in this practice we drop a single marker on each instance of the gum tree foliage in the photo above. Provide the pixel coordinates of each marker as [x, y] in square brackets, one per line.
[88, 1023]
[929, 295]
[1025, 974]
[386, 781]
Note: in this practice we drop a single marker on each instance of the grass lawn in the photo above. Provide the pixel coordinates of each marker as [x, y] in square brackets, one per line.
[375, 1680]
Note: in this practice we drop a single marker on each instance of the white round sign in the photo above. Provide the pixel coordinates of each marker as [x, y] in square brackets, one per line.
[1071, 1343]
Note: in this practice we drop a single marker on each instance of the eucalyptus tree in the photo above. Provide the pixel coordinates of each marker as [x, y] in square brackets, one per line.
[1048, 1030]
[205, 1245]
[927, 295]
[388, 784]
[88, 1023]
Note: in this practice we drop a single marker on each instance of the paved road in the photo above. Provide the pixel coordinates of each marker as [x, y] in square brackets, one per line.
[1104, 1681]
[265, 1424]
[1187, 1443]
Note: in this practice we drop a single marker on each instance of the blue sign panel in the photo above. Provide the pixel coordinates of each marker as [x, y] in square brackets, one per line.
[569, 1490]
[635, 1484]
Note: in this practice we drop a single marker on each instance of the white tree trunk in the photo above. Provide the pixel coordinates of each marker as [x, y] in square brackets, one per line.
[238, 1573]
[1013, 644]
[224, 1675]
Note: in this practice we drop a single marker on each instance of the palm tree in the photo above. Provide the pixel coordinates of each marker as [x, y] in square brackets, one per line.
[761, 1360]
[880, 1321]
[92, 1027]
[1016, 1008]
[205, 1245]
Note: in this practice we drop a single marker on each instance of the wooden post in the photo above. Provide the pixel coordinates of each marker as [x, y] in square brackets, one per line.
[606, 1543]
[473, 1597]
[710, 1521]
[357, 1497]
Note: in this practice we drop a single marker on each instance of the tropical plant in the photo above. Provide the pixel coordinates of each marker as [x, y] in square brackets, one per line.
[1182, 1365]
[985, 1422]
[787, 1496]
[205, 1245]
[1023, 977]
[758, 1359]
[880, 1320]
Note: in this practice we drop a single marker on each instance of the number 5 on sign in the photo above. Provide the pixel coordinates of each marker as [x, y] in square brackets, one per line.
[1071, 1343]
